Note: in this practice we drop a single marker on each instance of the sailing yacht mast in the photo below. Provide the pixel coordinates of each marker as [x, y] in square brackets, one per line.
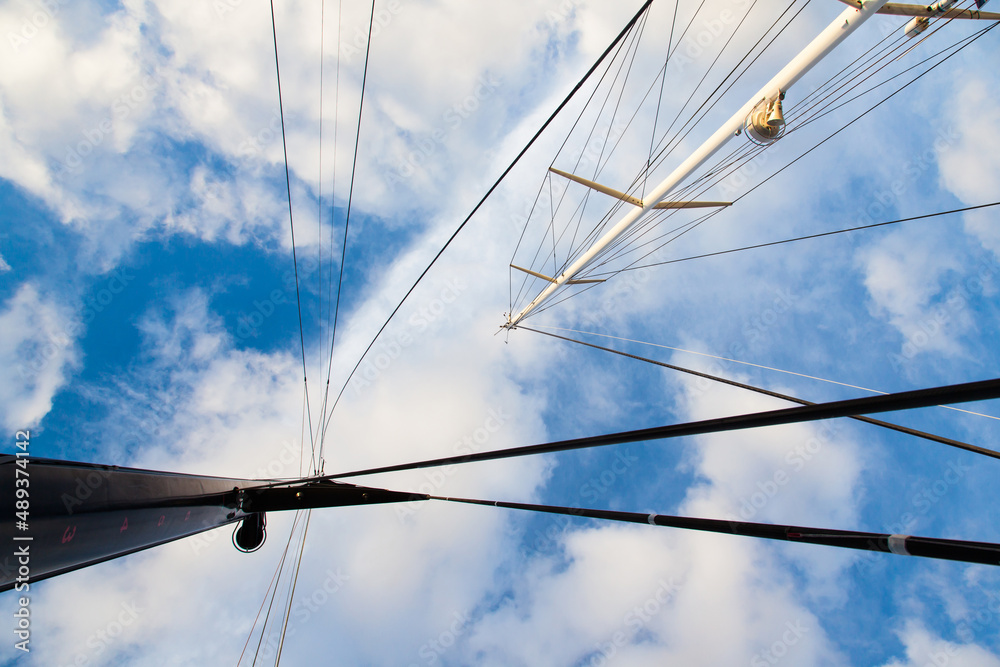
[767, 101]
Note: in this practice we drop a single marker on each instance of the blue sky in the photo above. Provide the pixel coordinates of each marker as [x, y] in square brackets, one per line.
[147, 319]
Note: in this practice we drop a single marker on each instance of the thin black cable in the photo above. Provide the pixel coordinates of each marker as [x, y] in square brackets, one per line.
[493, 187]
[291, 223]
[319, 181]
[298, 297]
[847, 89]
[872, 108]
[333, 215]
[735, 75]
[680, 40]
[625, 244]
[850, 81]
[659, 99]
[844, 80]
[578, 214]
[317, 465]
[599, 166]
[814, 236]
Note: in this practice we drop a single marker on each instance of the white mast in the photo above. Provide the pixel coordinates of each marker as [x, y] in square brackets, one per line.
[770, 94]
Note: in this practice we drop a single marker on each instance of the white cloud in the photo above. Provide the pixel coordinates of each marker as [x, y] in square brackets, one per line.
[113, 100]
[971, 168]
[982, 225]
[924, 647]
[38, 346]
[905, 274]
[21, 166]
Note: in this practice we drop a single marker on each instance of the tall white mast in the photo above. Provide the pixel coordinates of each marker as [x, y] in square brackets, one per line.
[770, 94]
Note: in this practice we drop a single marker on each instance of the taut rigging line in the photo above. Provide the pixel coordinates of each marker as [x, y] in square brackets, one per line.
[982, 390]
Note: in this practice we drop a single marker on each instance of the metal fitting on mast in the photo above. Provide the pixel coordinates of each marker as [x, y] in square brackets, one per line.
[765, 123]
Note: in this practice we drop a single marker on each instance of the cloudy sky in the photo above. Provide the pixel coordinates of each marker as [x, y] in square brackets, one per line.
[148, 318]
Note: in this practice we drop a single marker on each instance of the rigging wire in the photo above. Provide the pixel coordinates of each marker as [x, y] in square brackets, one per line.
[280, 568]
[295, 581]
[306, 407]
[808, 236]
[901, 40]
[577, 215]
[639, 177]
[670, 145]
[627, 242]
[598, 167]
[319, 181]
[620, 245]
[575, 246]
[837, 84]
[659, 98]
[695, 117]
[813, 113]
[333, 204]
[291, 223]
[606, 220]
[340, 282]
